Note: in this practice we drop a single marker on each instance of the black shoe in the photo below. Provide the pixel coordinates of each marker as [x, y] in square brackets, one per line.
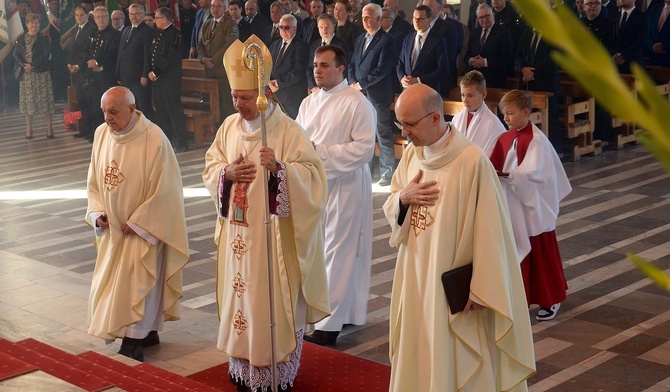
[28, 137]
[79, 134]
[131, 348]
[323, 338]
[384, 181]
[151, 339]
[52, 136]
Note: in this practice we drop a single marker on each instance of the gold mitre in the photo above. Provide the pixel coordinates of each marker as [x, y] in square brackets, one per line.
[235, 58]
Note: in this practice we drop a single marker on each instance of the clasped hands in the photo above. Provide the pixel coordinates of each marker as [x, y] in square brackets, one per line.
[102, 223]
[241, 170]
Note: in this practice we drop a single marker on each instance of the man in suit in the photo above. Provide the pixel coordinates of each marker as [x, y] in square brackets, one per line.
[631, 31]
[660, 35]
[102, 51]
[490, 49]
[290, 56]
[506, 16]
[388, 18]
[451, 37]
[371, 72]
[134, 60]
[356, 16]
[399, 23]
[203, 15]
[257, 21]
[218, 34]
[244, 27]
[326, 27]
[423, 58]
[165, 75]
[77, 57]
[310, 31]
[540, 73]
[271, 32]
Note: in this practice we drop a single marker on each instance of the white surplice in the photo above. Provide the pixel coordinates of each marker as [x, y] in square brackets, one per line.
[484, 129]
[341, 123]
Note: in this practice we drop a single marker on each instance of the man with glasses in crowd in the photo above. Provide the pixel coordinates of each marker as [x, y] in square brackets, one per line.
[490, 49]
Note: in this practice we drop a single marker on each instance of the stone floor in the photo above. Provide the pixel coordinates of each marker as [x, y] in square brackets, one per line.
[611, 334]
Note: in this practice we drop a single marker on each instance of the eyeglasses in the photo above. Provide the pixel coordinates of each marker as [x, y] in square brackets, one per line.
[135, 14]
[411, 125]
[285, 27]
[484, 16]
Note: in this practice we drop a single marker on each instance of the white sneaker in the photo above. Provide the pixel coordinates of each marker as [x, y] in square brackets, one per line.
[545, 314]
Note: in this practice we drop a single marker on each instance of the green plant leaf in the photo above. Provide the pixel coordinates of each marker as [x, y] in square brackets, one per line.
[654, 273]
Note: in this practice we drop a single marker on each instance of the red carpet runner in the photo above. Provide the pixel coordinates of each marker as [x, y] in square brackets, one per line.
[321, 370]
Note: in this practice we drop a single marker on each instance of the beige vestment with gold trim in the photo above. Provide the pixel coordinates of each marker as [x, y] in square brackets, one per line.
[134, 178]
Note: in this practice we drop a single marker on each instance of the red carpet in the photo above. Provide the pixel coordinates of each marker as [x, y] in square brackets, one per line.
[321, 370]
[11, 367]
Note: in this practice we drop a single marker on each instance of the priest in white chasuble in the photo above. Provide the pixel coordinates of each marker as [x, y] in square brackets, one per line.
[341, 123]
[136, 206]
[447, 210]
[297, 192]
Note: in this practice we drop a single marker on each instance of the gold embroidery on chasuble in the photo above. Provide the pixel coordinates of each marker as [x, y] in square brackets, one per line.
[113, 176]
[239, 247]
[239, 286]
[421, 219]
[240, 204]
[240, 323]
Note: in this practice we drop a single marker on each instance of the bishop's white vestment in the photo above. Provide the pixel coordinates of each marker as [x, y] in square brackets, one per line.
[431, 349]
[297, 202]
[341, 123]
[135, 178]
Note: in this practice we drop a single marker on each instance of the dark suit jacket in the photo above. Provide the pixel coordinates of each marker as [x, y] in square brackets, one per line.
[546, 70]
[134, 58]
[662, 36]
[104, 49]
[602, 27]
[311, 83]
[258, 24]
[450, 35]
[612, 10]
[244, 29]
[215, 42]
[198, 25]
[77, 50]
[432, 66]
[349, 33]
[373, 70]
[290, 71]
[631, 38]
[399, 38]
[310, 30]
[402, 25]
[498, 52]
[268, 36]
[166, 56]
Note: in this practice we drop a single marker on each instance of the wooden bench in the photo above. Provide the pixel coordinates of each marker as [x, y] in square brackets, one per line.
[200, 97]
[578, 118]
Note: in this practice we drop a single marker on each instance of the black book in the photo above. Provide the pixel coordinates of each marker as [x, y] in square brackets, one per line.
[456, 283]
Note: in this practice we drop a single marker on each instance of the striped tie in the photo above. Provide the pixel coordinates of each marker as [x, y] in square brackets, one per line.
[482, 39]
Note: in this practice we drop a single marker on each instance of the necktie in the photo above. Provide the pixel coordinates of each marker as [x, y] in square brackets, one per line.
[130, 34]
[664, 17]
[324, 43]
[282, 50]
[482, 39]
[416, 50]
[624, 18]
[467, 124]
[533, 46]
[78, 31]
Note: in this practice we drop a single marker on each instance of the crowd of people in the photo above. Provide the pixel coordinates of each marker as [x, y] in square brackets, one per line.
[330, 85]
